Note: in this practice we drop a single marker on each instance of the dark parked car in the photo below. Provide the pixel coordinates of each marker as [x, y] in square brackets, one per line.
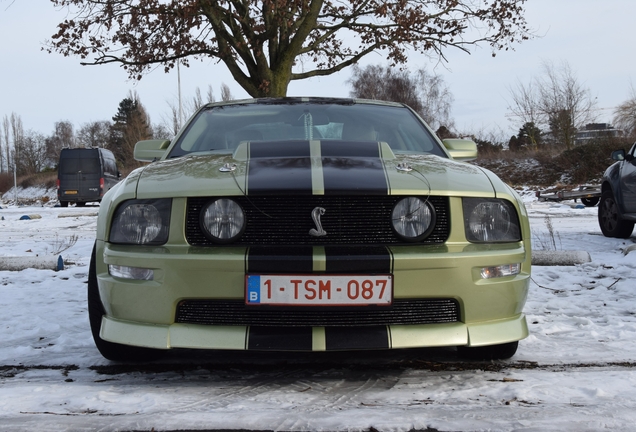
[85, 175]
[617, 211]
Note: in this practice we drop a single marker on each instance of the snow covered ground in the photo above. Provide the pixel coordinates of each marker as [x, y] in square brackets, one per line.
[577, 370]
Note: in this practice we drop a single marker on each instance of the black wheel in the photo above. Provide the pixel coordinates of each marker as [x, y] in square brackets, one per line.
[110, 350]
[63, 203]
[490, 352]
[609, 218]
[590, 202]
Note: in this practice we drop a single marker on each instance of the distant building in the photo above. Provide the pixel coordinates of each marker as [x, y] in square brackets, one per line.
[596, 130]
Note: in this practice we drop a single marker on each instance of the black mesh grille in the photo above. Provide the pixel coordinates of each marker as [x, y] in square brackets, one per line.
[286, 220]
[228, 312]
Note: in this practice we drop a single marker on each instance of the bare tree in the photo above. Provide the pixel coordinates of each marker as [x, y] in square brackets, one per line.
[197, 101]
[567, 103]
[426, 93]
[5, 145]
[436, 99]
[226, 93]
[63, 136]
[172, 125]
[555, 100]
[161, 131]
[525, 107]
[625, 115]
[30, 152]
[94, 134]
[266, 44]
[15, 139]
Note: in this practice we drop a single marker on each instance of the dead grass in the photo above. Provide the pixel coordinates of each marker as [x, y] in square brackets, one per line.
[547, 167]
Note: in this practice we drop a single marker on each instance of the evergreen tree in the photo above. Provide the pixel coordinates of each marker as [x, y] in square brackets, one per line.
[131, 124]
[529, 136]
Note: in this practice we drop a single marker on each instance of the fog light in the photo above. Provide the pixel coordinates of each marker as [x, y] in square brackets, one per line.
[500, 271]
[135, 273]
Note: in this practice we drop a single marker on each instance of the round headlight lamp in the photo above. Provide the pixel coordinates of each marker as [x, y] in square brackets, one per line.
[413, 219]
[490, 221]
[141, 222]
[223, 220]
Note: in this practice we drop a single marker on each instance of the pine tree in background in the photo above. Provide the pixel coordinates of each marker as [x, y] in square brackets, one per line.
[131, 124]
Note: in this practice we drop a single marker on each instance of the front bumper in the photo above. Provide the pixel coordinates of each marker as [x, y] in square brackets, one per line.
[142, 313]
[312, 339]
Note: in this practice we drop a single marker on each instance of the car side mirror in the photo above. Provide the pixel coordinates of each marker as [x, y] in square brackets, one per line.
[618, 155]
[150, 150]
[461, 149]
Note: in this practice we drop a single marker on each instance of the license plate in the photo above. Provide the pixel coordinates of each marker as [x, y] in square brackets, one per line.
[70, 192]
[322, 290]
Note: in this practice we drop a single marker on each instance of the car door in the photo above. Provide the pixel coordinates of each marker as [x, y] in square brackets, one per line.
[628, 181]
[68, 169]
[89, 175]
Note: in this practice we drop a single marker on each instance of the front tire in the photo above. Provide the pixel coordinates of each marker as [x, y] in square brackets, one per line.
[110, 350]
[490, 352]
[609, 218]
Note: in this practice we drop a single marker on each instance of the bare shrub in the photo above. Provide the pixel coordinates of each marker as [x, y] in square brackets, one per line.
[60, 245]
[549, 240]
[45, 179]
[6, 182]
[547, 167]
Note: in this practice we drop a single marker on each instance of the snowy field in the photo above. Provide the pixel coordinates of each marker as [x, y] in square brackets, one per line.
[576, 371]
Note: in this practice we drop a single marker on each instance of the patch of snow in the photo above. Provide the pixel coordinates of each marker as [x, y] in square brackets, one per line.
[576, 371]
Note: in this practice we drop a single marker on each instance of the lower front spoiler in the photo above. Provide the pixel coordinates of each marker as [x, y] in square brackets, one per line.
[313, 338]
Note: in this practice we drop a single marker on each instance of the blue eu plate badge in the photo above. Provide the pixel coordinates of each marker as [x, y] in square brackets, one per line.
[253, 289]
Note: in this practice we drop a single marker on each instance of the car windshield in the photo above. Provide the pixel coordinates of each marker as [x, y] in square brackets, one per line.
[224, 127]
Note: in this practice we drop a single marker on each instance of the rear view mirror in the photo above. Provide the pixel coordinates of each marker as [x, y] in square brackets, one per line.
[618, 155]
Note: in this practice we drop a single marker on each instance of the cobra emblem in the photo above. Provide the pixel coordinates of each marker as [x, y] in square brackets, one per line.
[315, 215]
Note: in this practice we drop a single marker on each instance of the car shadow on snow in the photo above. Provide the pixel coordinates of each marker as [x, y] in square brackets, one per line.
[252, 362]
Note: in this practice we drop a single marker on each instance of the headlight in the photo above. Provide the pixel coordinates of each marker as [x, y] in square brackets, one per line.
[223, 220]
[490, 221]
[141, 222]
[413, 219]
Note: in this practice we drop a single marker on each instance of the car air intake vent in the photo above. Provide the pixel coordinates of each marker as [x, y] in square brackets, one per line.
[286, 220]
[230, 312]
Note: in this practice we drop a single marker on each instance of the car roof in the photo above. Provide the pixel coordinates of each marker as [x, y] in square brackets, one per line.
[305, 99]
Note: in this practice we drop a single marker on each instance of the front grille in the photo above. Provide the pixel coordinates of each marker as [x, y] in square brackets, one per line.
[229, 312]
[286, 220]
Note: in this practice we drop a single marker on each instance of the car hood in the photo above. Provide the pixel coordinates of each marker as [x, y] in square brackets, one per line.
[313, 167]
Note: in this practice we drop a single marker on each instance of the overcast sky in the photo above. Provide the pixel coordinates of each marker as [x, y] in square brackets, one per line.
[595, 37]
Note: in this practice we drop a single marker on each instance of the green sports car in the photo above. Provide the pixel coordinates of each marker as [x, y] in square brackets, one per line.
[309, 224]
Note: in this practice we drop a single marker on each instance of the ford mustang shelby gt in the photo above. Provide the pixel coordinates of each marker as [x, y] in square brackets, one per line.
[309, 224]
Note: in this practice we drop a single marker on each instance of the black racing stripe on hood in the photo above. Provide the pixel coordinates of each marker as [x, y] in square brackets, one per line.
[279, 167]
[358, 259]
[353, 168]
[287, 260]
[348, 338]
